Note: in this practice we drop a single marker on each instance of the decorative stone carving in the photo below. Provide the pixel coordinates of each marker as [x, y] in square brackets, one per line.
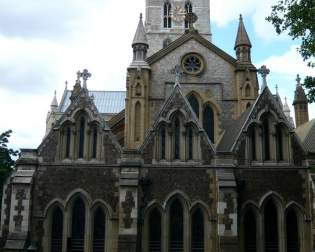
[127, 206]
[20, 196]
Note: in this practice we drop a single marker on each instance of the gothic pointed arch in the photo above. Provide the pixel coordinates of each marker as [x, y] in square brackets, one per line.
[292, 230]
[176, 226]
[167, 11]
[271, 226]
[194, 103]
[56, 229]
[78, 224]
[188, 9]
[197, 230]
[208, 121]
[248, 91]
[155, 230]
[99, 229]
[250, 232]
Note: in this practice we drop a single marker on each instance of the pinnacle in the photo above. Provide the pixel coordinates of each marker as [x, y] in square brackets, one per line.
[242, 38]
[54, 102]
[140, 36]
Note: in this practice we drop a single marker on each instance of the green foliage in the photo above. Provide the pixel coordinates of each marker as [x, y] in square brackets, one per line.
[297, 17]
[6, 161]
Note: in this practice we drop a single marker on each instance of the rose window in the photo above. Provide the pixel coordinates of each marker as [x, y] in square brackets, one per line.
[193, 64]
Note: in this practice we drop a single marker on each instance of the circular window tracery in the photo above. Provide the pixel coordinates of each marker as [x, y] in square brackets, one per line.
[193, 64]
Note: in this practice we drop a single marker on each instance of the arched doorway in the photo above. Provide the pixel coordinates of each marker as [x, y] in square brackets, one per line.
[271, 227]
[155, 231]
[78, 226]
[197, 231]
[249, 231]
[56, 230]
[99, 225]
[292, 231]
[176, 227]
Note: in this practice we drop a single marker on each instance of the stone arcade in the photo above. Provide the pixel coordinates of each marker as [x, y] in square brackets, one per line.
[192, 157]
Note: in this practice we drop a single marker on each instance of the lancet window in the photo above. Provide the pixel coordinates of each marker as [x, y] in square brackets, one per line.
[188, 9]
[208, 122]
[194, 104]
[56, 230]
[81, 137]
[167, 15]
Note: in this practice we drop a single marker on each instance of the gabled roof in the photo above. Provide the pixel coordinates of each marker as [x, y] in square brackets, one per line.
[233, 133]
[306, 134]
[176, 101]
[192, 34]
[107, 102]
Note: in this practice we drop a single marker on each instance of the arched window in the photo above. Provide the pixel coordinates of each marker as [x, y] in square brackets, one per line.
[188, 9]
[81, 137]
[279, 140]
[252, 136]
[292, 231]
[249, 231]
[137, 121]
[194, 104]
[68, 141]
[208, 122]
[94, 142]
[271, 227]
[247, 91]
[155, 231]
[248, 105]
[177, 139]
[265, 136]
[99, 230]
[78, 226]
[166, 42]
[56, 230]
[162, 142]
[190, 143]
[176, 227]
[167, 15]
[197, 231]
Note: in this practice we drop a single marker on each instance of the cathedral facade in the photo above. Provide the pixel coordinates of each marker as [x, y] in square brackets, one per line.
[193, 156]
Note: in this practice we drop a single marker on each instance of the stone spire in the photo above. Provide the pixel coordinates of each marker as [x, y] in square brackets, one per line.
[54, 103]
[140, 44]
[242, 44]
[300, 104]
[286, 108]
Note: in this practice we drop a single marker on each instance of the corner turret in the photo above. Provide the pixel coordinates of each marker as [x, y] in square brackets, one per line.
[300, 104]
[242, 44]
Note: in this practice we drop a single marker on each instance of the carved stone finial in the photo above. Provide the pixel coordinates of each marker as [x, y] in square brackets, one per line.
[66, 85]
[178, 73]
[264, 71]
[298, 80]
[85, 76]
[191, 18]
[277, 89]
[141, 16]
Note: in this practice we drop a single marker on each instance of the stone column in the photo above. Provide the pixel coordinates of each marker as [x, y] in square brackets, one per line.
[128, 206]
[20, 207]
[227, 212]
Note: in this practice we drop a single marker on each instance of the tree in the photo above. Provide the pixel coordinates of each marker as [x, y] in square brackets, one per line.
[297, 17]
[6, 158]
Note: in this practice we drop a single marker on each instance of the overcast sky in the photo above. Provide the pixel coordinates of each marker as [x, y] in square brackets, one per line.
[43, 43]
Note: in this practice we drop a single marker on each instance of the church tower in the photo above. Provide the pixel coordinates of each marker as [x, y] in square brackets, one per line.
[165, 21]
[137, 101]
[300, 104]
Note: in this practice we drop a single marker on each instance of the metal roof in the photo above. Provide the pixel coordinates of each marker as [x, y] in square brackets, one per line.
[107, 102]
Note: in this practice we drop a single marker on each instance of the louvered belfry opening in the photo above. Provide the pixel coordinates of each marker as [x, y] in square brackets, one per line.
[176, 227]
[197, 231]
[292, 232]
[56, 230]
[271, 227]
[250, 231]
[76, 242]
[155, 231]
[99, 228]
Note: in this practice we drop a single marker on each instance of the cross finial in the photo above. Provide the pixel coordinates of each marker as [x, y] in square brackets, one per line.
[264, 71]
[298, 80]
[178, 73]
[85, 76]
[277, 88]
